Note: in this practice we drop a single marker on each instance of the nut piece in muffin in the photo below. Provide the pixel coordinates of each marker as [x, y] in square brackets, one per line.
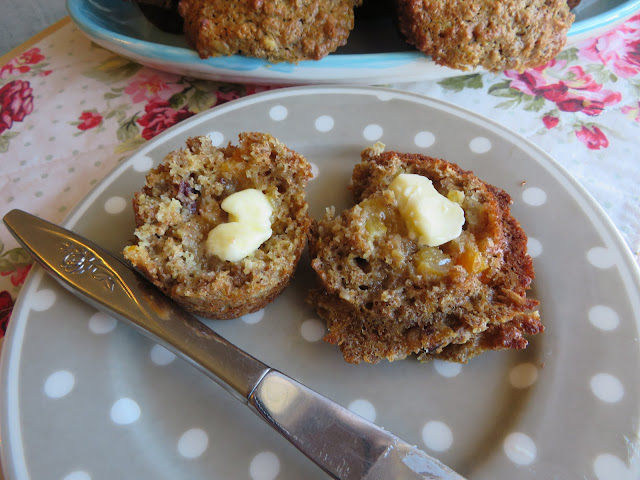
[181, 204]
[275, 30]
[386, 295]
[494, 35]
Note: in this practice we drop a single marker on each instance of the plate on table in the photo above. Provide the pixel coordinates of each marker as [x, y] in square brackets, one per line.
[375, 53]
[86, 398]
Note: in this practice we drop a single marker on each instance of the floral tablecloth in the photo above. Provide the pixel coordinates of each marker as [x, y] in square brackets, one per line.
[70, 111]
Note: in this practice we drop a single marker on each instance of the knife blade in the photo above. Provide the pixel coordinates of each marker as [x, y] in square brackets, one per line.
[343, 444]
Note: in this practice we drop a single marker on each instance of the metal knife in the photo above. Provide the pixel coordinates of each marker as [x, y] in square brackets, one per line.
[341, 443]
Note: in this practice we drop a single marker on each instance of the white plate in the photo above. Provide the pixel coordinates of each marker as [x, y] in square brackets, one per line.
[84, 398]
[374, 54]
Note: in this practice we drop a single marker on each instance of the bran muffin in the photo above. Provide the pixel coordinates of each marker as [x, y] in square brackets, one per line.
[384, 296]
[180, 204]
[494, 35]
[278, 30]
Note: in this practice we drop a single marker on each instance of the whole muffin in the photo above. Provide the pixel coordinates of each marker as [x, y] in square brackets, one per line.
[275, 30]
[386, 296]
[181, 203]
[494, 35]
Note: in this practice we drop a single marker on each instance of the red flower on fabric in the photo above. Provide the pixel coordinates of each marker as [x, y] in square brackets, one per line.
[21, 64]
[159, 116]
[576, 92]
[89, 120]
[550, 121]
[618, 49]
[592, 137]
[18, 275]
[6, 306]
[16, 102]
[30, 57]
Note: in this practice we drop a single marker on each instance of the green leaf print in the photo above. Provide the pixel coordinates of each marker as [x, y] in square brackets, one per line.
[114, 69]
[128, 129]
[457, 84]
[4, 141]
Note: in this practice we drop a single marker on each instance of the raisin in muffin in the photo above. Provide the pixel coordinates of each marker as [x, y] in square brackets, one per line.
[508, 34]
[276, 30]
[181, 203]
[384, 296]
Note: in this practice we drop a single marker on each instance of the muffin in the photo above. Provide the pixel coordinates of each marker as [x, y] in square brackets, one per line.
[183, 204]
[385, 294]
[509, 34]
[277, 31]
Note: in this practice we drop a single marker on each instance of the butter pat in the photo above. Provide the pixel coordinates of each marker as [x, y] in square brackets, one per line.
[431, 218]
[249, 226]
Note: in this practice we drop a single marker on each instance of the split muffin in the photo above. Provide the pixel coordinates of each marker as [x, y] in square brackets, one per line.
[221, 230]
[387, 292]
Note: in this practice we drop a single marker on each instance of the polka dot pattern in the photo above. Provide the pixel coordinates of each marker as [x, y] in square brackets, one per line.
[480, 145]
[125, 411]
[324, 123]
[372, 132]
[437, 436]
[312, 330]
[193, 443]
[534, 196]
[264, 466]
[101, 323]
[59, 384]
[607, 387]
[364, 408]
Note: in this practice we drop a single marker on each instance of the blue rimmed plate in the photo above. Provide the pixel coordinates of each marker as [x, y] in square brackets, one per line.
[375, 53]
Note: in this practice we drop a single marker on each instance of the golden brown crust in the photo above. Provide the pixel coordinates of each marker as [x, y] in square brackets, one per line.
[180, 204]
[384, 296]
[280, 30]
[509, 34]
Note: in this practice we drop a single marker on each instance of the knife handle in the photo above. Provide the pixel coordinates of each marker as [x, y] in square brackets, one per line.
[108, 284]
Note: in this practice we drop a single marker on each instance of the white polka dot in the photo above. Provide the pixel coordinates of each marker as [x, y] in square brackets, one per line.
[43, 300]
[314, 169]
[520, 449]
[115, 205]
[603, 317]
[607, 387]
[161, 356]
[142, 163]
[424, 139]
[193, 443]
[264, 466]
[101, 323]
[59, 384]
[278, 113]
[480, 145]
[523, 375]
[364, 408]
[125, 411]
[447, 369]
[534, 196]
[437, 436]
[324, 123]
[372, 132]
[312, 329]
[601, 257]
[534, 247]
[216, 138]
[78, 475]
[610, 467]
[253, 318]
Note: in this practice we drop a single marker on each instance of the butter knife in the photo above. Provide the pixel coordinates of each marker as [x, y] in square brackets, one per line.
[341, 443]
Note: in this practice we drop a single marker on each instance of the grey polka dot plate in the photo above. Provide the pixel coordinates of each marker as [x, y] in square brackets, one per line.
[86, 398]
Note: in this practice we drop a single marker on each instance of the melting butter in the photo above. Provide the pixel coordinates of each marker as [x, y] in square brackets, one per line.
[249, 226]
[431, 218]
